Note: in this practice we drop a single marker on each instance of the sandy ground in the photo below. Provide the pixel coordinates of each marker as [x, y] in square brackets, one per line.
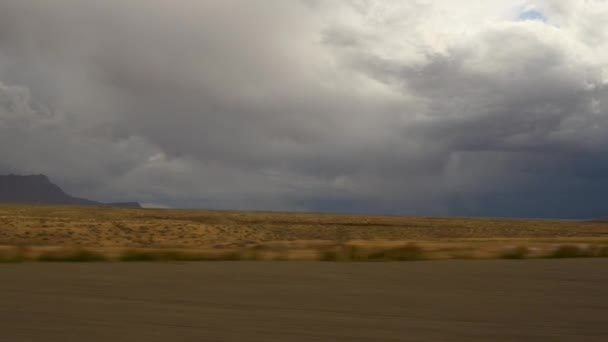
[31, 225]
[532, 300]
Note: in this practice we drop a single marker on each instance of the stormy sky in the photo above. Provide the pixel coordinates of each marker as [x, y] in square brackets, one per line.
[428, 107]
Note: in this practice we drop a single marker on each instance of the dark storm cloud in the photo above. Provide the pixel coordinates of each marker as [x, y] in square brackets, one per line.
[515, 99]
[352, 106]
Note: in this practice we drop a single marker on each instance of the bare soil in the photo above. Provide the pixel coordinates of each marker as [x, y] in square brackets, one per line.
[533, 300]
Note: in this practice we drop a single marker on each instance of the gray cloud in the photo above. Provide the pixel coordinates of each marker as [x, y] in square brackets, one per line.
[372, 106]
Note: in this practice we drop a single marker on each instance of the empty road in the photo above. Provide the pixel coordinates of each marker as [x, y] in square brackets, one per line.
[531, 300]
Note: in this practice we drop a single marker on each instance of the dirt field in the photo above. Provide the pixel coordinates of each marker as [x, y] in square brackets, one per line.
[534, 300]
[111, 230]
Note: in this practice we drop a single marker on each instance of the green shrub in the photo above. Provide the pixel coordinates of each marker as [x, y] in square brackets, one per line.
[354, 253]
[230, 256]
[133, 255]
[329, 255]
[17, 254]
[410, 252]
[139, 255]
[519, 252]
[602, 252]
[342, 253]
[463, 256]
[10, 258]
[80, 255]
[166, 256]
[570, 251]
[377, 256]
[283, 256]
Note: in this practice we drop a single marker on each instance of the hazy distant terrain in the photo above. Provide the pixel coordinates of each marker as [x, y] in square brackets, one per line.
[39, 189]
[36, 189]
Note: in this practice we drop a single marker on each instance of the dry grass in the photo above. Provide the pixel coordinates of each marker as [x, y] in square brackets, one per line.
[155, 234]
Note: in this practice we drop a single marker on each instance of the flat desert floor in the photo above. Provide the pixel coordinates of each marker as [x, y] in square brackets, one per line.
[287, 236]
[496, 300]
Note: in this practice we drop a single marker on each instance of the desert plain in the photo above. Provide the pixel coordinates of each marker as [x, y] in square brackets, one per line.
[198, 275]
[33, 231]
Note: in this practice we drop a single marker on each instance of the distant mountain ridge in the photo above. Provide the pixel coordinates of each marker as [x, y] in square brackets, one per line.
[40, 190]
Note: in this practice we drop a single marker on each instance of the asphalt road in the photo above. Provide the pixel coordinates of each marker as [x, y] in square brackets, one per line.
[532, 300]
